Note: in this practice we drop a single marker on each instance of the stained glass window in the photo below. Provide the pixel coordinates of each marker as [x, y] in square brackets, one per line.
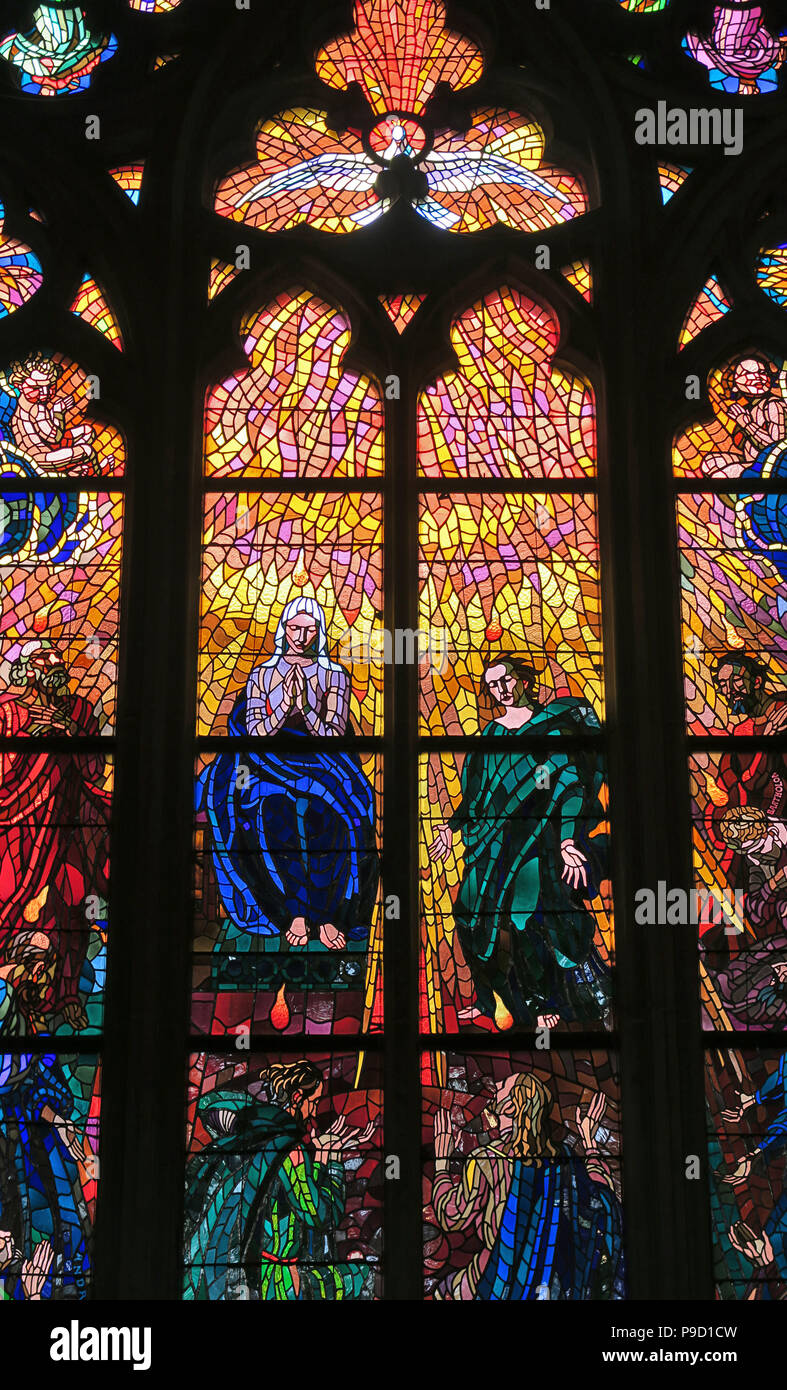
[62, 466]
[746, 1108]
[733, 542]
[492, 171]
[393, 401]
[316, 1235]
[509, 595]
[532, 1147]
[59, 53]
[48, 1183]
[498, 620]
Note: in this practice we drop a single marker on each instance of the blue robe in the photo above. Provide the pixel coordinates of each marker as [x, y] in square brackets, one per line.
[40, 1191]
[294, 838]
[735, 1266]
[560, 1231]
[773, 1142]
[764, 518]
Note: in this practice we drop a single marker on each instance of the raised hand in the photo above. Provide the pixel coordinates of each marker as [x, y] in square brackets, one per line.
[756, 1248]
[735, 1113]
[575, 865]
[71, 1138]
[34, 1271]
[588, 1123]
[338, 1138]
[740, 1174]
[441, 844]
[443, 1134]
[776, 723]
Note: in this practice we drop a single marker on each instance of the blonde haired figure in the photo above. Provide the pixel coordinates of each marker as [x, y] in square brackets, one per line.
[549, 1220]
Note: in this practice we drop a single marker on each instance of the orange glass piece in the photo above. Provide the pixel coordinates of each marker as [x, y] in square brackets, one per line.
[296, 412]
[304, 172]
[508, 412]
[400, 308]
[580, 275]
[221, 274]
[710, 305]
[398, 52]
[129, 178]
[90, 304]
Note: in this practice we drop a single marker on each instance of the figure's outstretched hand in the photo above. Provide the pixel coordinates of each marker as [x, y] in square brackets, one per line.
[440, 847]
[740, 1174]
[589, 1121]
[54, 715]
[329, 1144]
[443, 1134]
[735, 1113]
[756, 1248]
[35, 1270]
[575, 869]
[339, 1137]
[776, 723]
[71, 1138]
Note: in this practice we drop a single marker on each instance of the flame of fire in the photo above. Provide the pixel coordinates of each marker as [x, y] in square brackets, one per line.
[300, 574]
[280, 1011]
[733, 636]
[32, 910]
[503, 1019]
[716, 793]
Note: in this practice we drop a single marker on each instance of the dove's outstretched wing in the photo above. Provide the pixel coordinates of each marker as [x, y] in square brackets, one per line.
[304, 172]
[334, 171]
[475, 189]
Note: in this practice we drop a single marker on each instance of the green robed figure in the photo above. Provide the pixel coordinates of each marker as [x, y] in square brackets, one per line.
[261, 1208]
[531, 859]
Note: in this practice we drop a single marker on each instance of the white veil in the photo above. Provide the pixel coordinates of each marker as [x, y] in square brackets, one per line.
[293, 609]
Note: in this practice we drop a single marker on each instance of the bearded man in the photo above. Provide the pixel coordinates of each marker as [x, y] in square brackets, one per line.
[54, 824]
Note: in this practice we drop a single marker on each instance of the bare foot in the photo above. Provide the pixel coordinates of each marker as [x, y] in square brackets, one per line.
[331, 937]
[469, 1015]
[547, 1020]
[298, 934]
